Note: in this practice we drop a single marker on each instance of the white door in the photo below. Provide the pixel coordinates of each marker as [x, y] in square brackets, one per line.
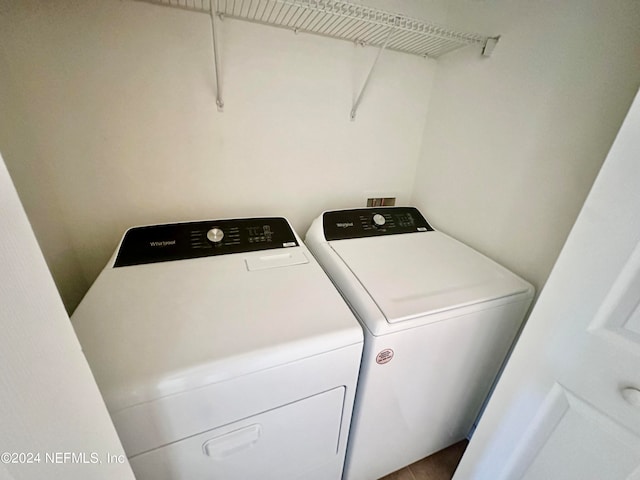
[568, 404]
[53, 422]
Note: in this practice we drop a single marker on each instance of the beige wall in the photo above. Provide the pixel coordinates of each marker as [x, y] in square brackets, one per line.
[108, 120]
[114, 124]
[513, 143]
[31, 171]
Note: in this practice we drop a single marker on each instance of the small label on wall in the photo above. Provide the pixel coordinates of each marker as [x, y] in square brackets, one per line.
[384, 356]
[381, 202]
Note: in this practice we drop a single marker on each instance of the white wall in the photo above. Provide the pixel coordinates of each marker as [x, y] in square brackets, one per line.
[113, 122]
[50, 401]
[512, 143]
[108, 121]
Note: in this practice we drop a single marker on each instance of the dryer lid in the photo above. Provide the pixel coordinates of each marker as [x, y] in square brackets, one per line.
[418, 274]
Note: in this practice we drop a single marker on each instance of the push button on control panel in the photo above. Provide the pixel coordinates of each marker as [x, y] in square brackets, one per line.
[215, 235]
[379, 220]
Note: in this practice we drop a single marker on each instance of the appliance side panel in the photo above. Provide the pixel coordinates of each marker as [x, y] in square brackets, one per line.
[428, 394]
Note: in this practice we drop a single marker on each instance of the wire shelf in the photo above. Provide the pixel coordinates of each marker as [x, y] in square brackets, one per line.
[343, 20]
[336, 19]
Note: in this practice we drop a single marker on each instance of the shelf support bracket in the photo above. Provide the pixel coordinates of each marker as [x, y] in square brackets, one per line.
[356, 104]
[489, 45]
[216, 66]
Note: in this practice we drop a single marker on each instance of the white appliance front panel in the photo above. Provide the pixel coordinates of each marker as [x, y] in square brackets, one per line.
[285, 443]
[151, 425]
[418, 274]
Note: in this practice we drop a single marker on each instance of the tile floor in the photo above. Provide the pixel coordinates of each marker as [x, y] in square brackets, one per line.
[439, 466]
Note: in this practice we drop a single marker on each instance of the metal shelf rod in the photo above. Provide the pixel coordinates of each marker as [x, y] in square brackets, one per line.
[356, 104]
[216, 66]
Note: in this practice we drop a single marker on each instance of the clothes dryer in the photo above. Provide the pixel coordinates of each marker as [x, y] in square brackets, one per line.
[222, 350]
[438, 318]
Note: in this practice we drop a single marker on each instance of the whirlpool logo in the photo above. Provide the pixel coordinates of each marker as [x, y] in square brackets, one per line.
[163, 243]
[344, 224]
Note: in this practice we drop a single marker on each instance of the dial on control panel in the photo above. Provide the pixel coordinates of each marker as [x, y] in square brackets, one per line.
[379, 220]
[215, 235]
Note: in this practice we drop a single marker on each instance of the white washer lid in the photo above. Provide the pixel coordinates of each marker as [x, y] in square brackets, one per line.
[418, 274]
[153, 330]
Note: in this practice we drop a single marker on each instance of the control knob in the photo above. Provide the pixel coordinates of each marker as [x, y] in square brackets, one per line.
[215, 235]
[379, 220]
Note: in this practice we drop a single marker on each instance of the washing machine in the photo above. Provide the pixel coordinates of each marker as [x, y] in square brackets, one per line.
[438, 318]
[222, 351]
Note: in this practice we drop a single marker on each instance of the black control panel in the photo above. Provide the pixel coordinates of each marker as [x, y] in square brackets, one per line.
[372, 222]
[180, 241]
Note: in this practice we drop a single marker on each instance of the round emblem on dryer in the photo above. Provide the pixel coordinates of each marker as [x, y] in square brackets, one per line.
[384, 356]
